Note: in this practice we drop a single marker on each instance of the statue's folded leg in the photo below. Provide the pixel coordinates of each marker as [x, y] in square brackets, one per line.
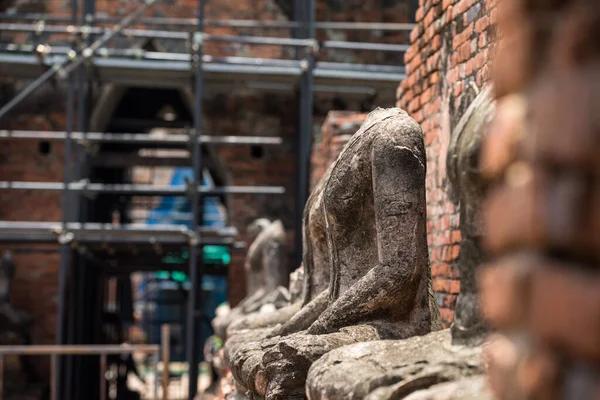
[242, 338]
[390, 369]
[285, 363]
[263, 320]
[245, 360]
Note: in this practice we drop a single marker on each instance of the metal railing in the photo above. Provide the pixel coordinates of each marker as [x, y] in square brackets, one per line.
[102, 350]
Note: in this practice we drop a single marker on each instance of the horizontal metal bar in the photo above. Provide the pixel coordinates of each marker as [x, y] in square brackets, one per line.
[365, 26]
[233, 23]
[40, 350]
[393, 69]
[137, 138]
[149, 33]
[92, 227]
[336, 44]
[103, 239]
[137, 189]
[271, 41]
[126, 235]
[220, 77]
[257, 40]
[164, 56]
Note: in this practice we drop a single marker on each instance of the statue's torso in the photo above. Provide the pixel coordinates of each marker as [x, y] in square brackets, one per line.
[342, 227]
[273, 236]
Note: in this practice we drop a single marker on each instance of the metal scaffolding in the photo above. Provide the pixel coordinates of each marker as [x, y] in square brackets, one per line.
[90, 57]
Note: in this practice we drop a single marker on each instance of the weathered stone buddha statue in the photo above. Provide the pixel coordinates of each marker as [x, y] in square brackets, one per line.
[365, 259]
[266, 273]
[441, 365]
[468, 188]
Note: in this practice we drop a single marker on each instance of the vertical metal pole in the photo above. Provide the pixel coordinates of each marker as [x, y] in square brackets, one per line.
[305, 124]
[165, 345]
[75, 375]
[65, 250]
[53, 380]
[298, 16]
[196, 261]
[103, 391]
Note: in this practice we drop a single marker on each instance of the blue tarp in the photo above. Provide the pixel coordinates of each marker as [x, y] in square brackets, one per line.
[173, 210]
[177, 210]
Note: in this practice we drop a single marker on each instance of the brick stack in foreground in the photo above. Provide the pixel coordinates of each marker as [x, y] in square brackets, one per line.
[542, 287]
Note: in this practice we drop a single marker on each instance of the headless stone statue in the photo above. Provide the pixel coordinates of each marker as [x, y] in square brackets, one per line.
[468, 189]
[441, 365]
[365, 259]
[266, 275]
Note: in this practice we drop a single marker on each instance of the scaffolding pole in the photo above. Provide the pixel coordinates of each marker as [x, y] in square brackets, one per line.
[65, 249]
[105, 53]
[137, 189]
[196, 263]
[229, 23]
[65, 278]
[54, 232]
[142, 139]
[183, 36]
[305, 124]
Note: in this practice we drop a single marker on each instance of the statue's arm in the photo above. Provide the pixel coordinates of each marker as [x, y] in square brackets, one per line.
[304, 317]
[392, 284]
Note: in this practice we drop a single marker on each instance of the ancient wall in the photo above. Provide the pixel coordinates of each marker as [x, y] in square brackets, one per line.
[446, 65]
[36, 283]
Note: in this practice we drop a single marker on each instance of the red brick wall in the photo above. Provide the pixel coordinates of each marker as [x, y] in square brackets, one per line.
[447, 62]
[36, 283]
[336, 130]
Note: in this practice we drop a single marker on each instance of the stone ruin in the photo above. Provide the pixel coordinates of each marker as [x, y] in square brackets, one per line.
[365, 258]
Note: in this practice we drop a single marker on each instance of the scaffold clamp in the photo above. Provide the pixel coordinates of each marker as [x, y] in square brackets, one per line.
[63, 236]
[193, 238]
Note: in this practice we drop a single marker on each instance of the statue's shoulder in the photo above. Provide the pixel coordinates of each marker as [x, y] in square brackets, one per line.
[274, 232]
[393, 123]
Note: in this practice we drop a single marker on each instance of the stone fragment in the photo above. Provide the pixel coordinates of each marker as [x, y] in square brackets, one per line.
[405, 368]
